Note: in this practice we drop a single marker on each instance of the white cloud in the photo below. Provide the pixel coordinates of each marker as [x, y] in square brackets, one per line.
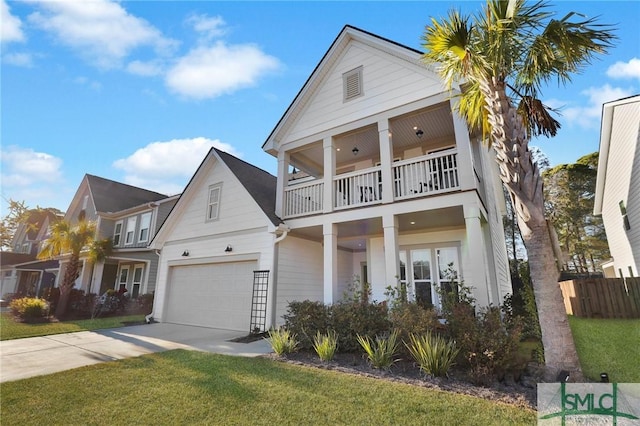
[588, 115]
[166, 166]
[102, 31]
[144, 69]
[208, 72]
[10, 26]
[629, 69]
[18, 59]
[84, 81]
[22, 167]
[208, 27]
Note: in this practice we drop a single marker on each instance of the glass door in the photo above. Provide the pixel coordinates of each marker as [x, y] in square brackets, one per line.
[422, 279]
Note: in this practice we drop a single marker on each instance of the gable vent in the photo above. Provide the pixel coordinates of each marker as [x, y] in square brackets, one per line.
[352, 83]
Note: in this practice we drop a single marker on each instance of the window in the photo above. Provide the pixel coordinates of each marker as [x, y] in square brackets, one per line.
[137, 280]
[145, 222]
[352, 84]
[117, 232]
[213, 205]
[123, 277]
[131, 230]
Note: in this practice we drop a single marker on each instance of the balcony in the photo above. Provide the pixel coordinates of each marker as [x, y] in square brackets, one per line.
[412, 178]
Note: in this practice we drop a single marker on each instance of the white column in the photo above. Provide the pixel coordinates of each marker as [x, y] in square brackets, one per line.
[463, 144]
[329, 173]
[391, 257]
[386, 160]
[96, 279]
[474, 257]
[282, 179]
[330, 276]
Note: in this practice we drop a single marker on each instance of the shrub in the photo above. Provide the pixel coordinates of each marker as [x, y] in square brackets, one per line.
[282, 341]
[353, 319]
[81, 304]
[434, 354]
[305, 319]
[381, 352]
[487, 346]
[29, 308]
[51, 295]
[411, 318]
[325, 345]
[144, 303]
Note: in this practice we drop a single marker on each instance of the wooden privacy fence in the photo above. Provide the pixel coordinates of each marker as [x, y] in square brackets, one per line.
[602, 297]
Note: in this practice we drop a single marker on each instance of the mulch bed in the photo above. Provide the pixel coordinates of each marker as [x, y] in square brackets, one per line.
[521, 394]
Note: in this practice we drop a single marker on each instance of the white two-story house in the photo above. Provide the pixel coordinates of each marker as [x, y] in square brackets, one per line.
[378, 181]
[397, 189]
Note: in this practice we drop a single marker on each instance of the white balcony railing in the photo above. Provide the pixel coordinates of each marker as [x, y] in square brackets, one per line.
[420, 176]
[412, 178]
[303, 199]
[357, 188]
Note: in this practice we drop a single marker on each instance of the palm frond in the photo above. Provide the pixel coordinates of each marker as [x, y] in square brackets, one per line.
[537, 117]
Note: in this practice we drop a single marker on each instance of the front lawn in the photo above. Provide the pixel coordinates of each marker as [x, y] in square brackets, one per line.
[608, 345]
[188, 387]
[10, 329]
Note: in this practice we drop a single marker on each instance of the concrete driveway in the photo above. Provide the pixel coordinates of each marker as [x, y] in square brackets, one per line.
[36, 356]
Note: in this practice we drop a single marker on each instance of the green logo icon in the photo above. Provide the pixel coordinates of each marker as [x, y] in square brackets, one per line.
[577, 403]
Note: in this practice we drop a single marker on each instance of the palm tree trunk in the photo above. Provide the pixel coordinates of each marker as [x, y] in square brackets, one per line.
[521, 177]
[557, 340]
[68, 280]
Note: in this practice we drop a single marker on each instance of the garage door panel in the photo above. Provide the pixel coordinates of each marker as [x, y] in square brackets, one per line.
[211, 295]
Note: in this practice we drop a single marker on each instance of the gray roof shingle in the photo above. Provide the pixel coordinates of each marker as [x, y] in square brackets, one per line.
[260, 184]
[112, 196]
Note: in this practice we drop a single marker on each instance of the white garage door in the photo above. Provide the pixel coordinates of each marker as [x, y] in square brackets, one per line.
[214, 295]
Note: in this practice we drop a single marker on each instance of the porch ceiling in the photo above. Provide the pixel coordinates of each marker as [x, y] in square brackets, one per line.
[435, 122]
[353, 235]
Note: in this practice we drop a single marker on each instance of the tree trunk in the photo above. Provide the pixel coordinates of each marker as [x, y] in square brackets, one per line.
[557, 340]
[68, 281]
[521, 177]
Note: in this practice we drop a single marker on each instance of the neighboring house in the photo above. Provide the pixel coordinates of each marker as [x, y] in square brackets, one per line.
[21, 272]
[130, 216]
[618, 185]
[378, 182]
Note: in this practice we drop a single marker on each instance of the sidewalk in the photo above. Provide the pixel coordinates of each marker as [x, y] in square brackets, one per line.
[35, 356]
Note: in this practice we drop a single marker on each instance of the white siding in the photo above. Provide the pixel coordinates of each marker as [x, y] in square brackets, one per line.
[299, 273]
[242, 224]
[622, 183]
[388, 82]
[238, 210]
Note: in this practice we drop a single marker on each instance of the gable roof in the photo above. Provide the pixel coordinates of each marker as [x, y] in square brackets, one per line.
[345, 36]
[260, 185]
[112, 196]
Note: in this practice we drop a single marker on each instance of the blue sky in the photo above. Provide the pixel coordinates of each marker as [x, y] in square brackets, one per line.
[139, 91]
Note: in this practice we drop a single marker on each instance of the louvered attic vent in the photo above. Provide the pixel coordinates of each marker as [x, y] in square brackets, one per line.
[352, 83]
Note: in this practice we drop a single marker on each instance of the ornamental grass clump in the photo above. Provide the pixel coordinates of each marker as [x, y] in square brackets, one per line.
[434, 354]
[381, 352]
[326, 345]
[282, 341]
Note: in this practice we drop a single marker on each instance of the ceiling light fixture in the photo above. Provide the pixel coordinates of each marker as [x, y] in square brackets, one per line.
[419, 133]
[355, 150]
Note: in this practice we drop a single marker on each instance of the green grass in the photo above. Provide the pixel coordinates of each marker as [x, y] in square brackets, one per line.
[608, 345]
[10, 329]
[189, 387]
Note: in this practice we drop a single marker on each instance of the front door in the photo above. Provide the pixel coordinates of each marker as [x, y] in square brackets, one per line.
[429, 272]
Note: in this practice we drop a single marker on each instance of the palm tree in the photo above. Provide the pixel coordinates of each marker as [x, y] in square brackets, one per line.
[503, 56]
[66, 239]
